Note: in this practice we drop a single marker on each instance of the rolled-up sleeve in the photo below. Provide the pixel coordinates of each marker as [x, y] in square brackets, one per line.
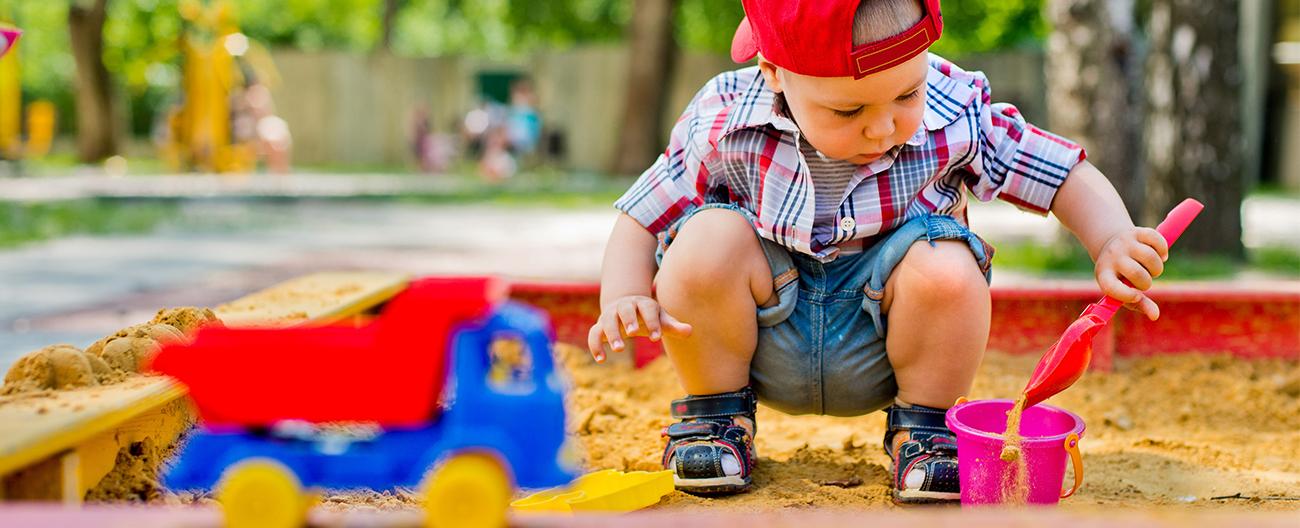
[676, 182]
[1017, 161]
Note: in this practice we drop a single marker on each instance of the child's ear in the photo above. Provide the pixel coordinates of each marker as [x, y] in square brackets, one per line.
[771, 73]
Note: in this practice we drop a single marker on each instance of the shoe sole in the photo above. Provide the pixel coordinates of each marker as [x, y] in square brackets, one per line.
[713, 486]
[926, 497]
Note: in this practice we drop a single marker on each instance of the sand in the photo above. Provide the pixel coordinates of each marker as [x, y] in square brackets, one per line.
[111, 359]
[1164, 431]
[1180, 432]
[1017, 489]
[54, 367]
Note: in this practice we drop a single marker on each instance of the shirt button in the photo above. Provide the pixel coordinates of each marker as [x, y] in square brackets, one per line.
[847, 223]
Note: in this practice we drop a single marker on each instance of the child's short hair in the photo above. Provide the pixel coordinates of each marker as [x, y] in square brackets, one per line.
[877, 20]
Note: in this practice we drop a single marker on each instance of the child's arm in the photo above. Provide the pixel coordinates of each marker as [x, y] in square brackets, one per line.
[1088, 205]
[627, 276]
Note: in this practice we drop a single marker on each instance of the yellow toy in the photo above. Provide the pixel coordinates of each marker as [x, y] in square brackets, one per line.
[603, 491]
[10, 93]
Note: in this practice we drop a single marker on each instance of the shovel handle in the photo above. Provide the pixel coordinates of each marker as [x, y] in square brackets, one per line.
[1171, 228]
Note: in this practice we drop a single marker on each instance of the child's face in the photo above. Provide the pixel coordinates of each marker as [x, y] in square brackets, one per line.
[855, 120]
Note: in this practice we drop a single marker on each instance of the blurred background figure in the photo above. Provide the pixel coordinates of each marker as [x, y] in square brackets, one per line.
[524, 122]
[274, 143]
[433, 151]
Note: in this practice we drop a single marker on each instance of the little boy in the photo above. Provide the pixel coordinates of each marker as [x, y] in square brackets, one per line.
[806, 238]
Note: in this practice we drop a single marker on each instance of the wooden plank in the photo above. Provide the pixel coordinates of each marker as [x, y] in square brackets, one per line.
[37, 426]
[318, 298]
[58, 444]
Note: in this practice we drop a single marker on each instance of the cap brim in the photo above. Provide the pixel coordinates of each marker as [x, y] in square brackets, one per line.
[743, 45]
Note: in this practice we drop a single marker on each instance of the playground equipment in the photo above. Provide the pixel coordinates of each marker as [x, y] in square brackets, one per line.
[202, 130]
[364, 406]
[10, 94]
[41, 119]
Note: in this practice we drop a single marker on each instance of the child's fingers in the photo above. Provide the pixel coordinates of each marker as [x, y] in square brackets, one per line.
[1111, 285]
[609, 325]
[1137, 275]
[1146, 306]
[671, 324]
[1147, 256]
[627, 318]
[595, 343]
[649, 311]
[1153, 238]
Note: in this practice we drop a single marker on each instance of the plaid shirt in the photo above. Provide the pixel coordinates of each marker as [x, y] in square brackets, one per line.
[731, 145]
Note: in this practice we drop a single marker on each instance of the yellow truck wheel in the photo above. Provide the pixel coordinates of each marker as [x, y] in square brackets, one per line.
[262, 493]
[470, 490]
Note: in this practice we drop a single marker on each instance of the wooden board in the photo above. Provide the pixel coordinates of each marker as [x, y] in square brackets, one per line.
[58, 444]
[316, 298]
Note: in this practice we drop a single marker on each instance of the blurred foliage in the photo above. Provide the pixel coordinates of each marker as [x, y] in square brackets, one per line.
[976, 26]
[142, 53]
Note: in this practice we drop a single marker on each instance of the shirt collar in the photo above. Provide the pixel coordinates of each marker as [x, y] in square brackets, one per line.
[946, 99]
[755, 107]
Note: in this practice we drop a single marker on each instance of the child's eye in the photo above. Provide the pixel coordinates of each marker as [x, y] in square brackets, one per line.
[910, 96]
[847, 113]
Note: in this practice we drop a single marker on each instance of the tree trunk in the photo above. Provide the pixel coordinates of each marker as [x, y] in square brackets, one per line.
[649, 68]
[1093, 75]
[95, 131]
[391, 7]
[1193, 146]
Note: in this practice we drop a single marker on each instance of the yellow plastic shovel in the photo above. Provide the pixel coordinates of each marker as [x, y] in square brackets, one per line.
[602, 491]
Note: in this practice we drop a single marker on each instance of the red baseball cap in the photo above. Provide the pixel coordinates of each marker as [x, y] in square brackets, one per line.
[815, 37]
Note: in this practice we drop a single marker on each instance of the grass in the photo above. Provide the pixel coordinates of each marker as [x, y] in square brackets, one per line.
[1072, 260]
[539, 187]
[22, 223]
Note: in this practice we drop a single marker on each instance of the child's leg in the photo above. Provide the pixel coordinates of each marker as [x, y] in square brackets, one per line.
[938, 307]
[714, 276]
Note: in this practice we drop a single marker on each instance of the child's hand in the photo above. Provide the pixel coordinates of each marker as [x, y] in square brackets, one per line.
[634, 315]
[1137, 256]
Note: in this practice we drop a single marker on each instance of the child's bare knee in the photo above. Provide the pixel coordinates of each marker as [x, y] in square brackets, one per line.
[715, 249]
[943, 273]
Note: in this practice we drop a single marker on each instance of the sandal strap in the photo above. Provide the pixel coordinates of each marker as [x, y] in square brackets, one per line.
[707, 431]
[696, 449]
[725, 405]
[915, 419]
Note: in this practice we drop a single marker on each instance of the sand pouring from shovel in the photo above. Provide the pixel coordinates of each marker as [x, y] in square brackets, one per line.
[1067, 359]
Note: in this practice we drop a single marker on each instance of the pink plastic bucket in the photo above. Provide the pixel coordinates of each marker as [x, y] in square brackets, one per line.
[1051, 436]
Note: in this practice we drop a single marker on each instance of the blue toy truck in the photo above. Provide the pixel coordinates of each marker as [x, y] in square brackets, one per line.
[285, 410]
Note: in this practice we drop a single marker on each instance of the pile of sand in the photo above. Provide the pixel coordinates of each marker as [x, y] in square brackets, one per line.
[1174, 430]
[108, 360]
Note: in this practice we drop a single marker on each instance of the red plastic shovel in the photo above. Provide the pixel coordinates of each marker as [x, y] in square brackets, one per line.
[1065, 362]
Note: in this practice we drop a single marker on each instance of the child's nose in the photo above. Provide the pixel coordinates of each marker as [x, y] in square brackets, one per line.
[879, 127]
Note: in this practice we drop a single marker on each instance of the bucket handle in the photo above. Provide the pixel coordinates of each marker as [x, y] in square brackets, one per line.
[1072, 447]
